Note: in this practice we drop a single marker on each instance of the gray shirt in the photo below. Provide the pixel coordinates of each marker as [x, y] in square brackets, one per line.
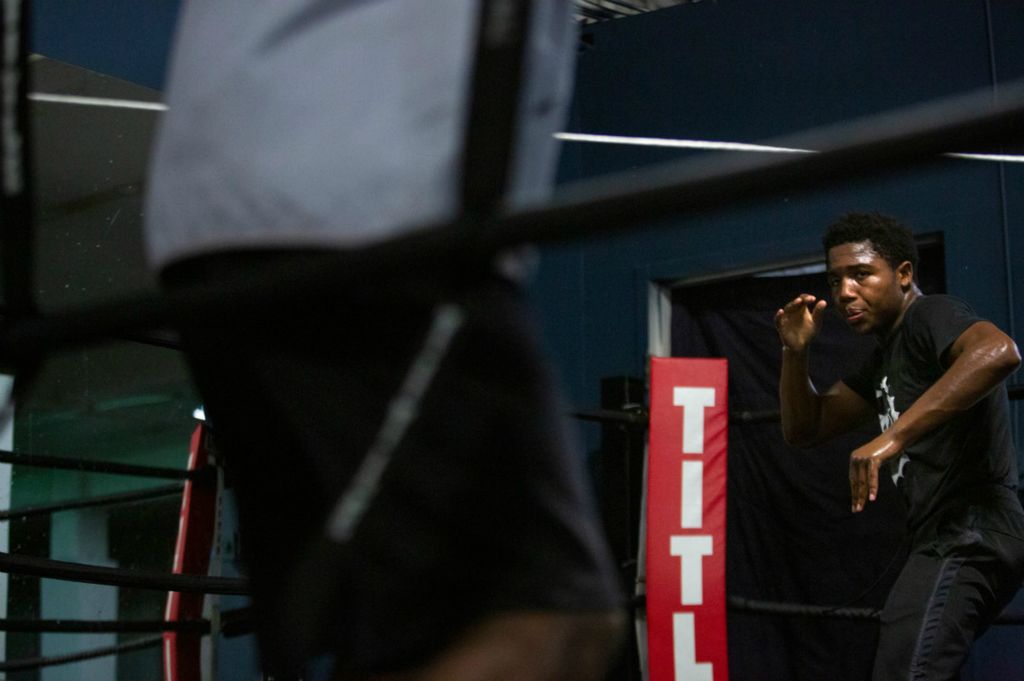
[333, 123]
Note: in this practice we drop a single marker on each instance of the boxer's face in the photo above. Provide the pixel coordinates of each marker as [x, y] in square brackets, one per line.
[868, 292]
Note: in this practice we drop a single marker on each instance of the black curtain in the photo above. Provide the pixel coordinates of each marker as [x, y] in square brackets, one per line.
[791, 534]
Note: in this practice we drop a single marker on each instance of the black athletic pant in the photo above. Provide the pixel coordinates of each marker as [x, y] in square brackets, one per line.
[950, 590]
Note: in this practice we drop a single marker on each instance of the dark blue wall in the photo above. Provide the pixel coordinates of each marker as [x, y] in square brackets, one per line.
[124, 38]
[748, 72]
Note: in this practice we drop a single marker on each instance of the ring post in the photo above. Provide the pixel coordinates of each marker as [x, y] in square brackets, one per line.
[181, 650]
[686, 495]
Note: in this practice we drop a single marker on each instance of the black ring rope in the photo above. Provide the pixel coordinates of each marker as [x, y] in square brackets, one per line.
[160, 338]
[90, 466]
[750, 605]
[133, 579]
[610, 416]
[39, 662]
[231, 623]
[104, 500]
[638, 417]
[58, 626]
[590, 208]
[743, 416]
[735, 603]
[760, 607]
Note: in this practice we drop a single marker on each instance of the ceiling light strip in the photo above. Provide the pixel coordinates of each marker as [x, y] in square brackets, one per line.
[738, 146]
[96, 101]
[678, 144]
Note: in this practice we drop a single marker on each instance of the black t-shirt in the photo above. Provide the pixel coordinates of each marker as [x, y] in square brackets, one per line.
[967, 458]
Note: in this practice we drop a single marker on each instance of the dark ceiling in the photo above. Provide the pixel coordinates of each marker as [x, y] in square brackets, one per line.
[590, 11]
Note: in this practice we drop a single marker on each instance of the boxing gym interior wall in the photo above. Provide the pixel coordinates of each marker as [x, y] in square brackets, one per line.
[730, 70]
[756, 72]
[751, 72]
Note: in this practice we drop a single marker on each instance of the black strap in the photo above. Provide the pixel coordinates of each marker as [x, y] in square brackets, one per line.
[495, 93]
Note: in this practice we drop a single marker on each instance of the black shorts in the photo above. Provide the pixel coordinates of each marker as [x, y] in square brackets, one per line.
[482, 505]
[966, 566]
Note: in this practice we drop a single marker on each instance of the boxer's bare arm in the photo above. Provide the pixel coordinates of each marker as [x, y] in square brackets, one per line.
[808, 416]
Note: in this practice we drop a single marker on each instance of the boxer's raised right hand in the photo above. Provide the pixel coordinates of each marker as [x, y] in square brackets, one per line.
[799, 322]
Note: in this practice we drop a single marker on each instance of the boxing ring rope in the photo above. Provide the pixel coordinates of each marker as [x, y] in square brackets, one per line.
[91, 502]
[633, 417]
[739, 604]
[637, 418]
[91, 466]
[597, 207]
[232, 623]
[61, 626]
[39, 662]
[133, 579]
